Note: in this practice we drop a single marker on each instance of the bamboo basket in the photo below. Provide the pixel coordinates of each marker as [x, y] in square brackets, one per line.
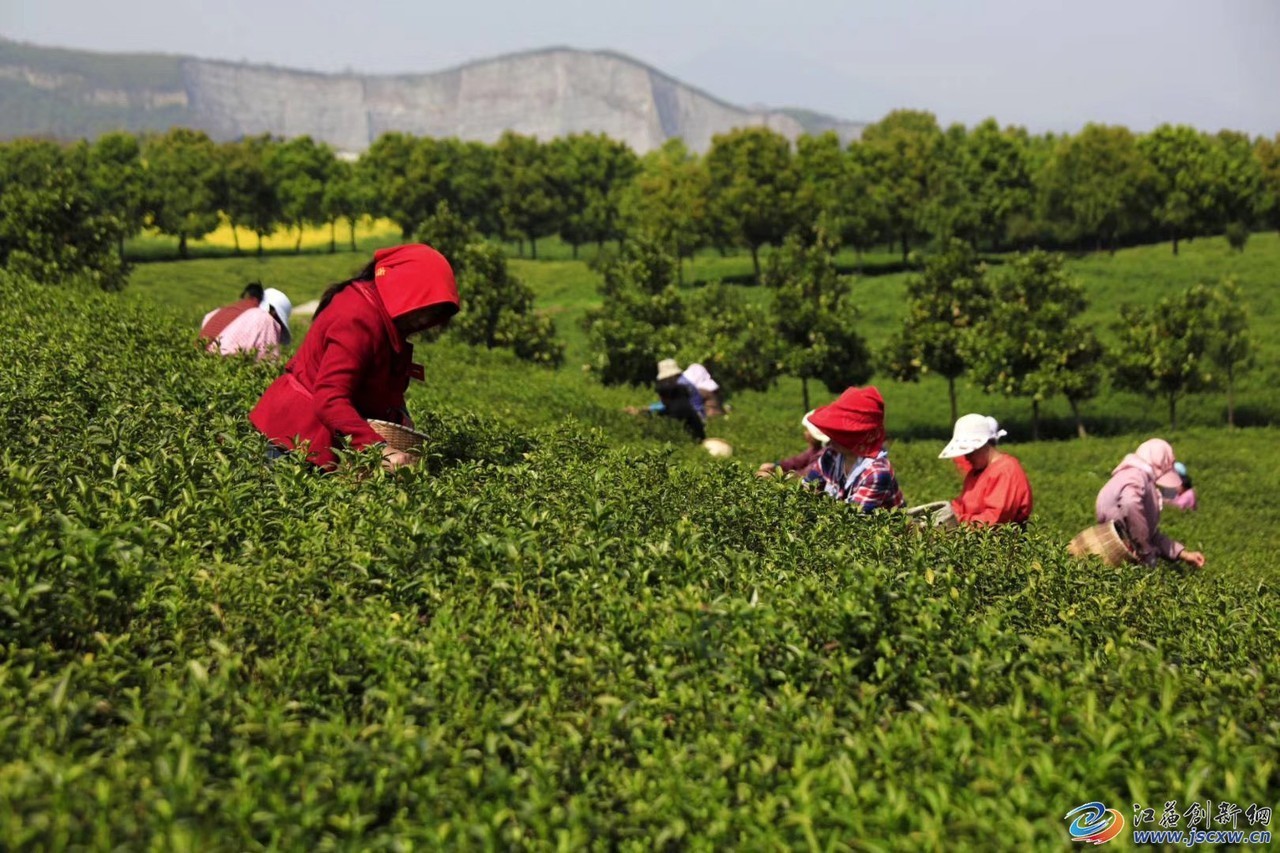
[1106, 541]
[934, 514]
[399, 437]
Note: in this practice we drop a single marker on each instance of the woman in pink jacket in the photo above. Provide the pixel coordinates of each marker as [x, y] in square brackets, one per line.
[1132, 496]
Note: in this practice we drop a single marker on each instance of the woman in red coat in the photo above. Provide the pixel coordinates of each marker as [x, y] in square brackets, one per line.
[996, 489]
[355, 362]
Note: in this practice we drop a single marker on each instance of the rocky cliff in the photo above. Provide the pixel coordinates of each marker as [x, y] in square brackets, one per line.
[545, 93]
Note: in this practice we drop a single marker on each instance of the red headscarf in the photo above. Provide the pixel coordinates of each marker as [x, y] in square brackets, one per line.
[413, 276]
[855, 420]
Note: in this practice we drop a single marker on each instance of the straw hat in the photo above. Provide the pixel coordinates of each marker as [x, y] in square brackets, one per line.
[1103, 540]
[668, 368]
[971, 432]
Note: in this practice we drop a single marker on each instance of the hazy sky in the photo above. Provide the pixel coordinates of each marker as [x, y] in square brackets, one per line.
[1045, 65]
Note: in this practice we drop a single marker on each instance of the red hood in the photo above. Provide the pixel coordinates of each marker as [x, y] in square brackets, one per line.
[411, 277]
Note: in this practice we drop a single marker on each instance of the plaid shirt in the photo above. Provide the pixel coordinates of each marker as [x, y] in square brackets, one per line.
[253, 331]
[870, 485]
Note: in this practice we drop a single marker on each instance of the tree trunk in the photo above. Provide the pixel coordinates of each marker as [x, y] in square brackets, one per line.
[804, 387]
[297, 246]
[182, 245]
[906, 250]
[755, 264]
[259, 244]
[352, 224]
[951, 389]
[1231, 401]
[1175, 244]
[1035, 420]
[333, 236]
[1075, 411]
[533, 248]
[235, 237]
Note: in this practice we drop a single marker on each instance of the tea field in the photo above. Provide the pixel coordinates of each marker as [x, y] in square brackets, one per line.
[572, 630]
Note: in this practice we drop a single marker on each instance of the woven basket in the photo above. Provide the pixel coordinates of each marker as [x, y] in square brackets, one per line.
[1106, 541]
[400, 437]
[935, 514]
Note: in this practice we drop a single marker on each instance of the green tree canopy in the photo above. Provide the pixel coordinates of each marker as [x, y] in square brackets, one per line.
[815, 316]
[753, 187]
[1030, 342]
[185, 172]
[1162, 350]
[944, 303]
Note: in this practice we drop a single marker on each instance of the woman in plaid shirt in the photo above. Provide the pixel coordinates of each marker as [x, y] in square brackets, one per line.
[855, 467]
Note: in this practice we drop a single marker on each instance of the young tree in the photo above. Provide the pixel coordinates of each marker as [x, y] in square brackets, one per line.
[666, 202]
[590, 172]
[1162, 351]
[1239, 197]
[735, 341]
[448, 233]
[51, 225]
[943, 304]
[1092, 186]
[1230, 344]
[1030, 343]
[531, 207]
[250, 197]
[118, 181]
[640, 315]
[1267, 154]
[300, 170]
[497, 308]
[987, 185]
[814, 316]
[185, 174]
[1182, 187]
[753, 187]
[903, 149]
[346, 197]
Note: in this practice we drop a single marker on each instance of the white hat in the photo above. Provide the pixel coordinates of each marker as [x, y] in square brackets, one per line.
[668, 368]
[970, 433]
[701, 378]
[813, 430]
[272, 298]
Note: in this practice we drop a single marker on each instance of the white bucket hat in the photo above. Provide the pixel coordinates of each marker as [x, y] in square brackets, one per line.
[668, 368]
[818, 434]
[970, 433]
[272, 298]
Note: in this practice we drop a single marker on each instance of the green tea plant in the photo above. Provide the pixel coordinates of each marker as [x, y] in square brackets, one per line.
[538, 640]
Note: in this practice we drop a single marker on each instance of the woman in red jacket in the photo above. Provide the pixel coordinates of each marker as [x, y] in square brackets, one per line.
[355, 362]
[995, 490]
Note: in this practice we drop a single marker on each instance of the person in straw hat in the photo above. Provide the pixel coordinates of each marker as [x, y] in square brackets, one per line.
[1132, 496]
[800, 464]
[855, 466]
[356, 361]
[677, 399]
[995, 489]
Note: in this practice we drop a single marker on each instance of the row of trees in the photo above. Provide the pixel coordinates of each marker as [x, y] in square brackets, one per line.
[1015, 330]
[906, 182]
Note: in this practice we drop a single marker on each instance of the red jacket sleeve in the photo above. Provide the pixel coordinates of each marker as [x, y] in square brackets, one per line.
[349, 350]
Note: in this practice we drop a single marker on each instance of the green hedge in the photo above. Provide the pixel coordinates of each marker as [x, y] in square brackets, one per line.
[539, 642]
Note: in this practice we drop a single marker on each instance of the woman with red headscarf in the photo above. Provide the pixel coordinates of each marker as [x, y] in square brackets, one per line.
[355, 362]
[1132, 496]
[855, 466]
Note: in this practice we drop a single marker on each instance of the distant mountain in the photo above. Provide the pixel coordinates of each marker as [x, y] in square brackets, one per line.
[70, 94]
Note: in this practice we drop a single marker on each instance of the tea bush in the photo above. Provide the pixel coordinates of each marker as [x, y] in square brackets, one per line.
[539, 641]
